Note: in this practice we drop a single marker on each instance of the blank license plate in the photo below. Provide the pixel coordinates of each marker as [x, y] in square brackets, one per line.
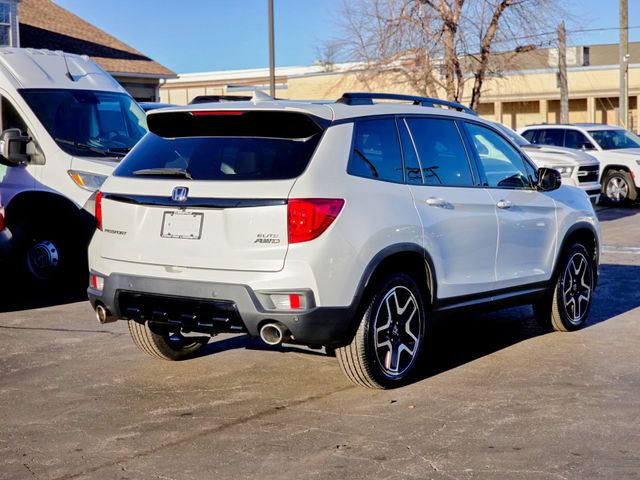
[182, 225]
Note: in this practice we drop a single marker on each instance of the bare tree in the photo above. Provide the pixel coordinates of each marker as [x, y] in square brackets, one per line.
[439, 46]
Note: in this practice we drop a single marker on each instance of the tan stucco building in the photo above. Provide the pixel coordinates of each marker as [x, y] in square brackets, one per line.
[526, 92]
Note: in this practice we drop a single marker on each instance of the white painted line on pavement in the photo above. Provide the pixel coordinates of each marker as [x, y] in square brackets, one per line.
[615, 249]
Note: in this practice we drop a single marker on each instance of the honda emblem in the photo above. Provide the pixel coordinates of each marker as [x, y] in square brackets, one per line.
[180, 194]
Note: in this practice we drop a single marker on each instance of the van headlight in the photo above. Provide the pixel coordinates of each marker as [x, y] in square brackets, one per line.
[564, 171]
[86, 180]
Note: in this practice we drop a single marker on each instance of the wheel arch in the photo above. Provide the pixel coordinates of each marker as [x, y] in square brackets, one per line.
[404, 257]
[586, 234]
[26, 203]
[609, 168]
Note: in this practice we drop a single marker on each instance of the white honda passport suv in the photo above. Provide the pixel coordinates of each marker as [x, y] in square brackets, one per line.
[350, 225]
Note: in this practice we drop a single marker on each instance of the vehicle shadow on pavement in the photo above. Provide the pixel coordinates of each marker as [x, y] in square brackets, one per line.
[459, 340]
[17, 295]
[608, 213]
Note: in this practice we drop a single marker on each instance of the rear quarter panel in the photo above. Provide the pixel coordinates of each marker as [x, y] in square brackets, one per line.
[376, 215]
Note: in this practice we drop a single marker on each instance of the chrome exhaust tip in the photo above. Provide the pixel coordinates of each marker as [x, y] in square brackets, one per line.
[104, 316]
[274, 334]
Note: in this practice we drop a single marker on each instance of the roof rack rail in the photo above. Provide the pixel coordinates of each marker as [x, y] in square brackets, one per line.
[366, 98]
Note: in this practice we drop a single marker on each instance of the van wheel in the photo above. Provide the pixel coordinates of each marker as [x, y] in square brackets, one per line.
[47, 251]
[619, 187]
[566, 307]
[164, 342]
[390, 336]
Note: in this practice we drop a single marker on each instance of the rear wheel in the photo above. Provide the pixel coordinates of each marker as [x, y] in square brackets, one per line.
[390, 336]
[566, 307]
[619, 187]
[164, 342]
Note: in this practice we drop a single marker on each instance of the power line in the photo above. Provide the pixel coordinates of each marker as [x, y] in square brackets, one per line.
[584, 30]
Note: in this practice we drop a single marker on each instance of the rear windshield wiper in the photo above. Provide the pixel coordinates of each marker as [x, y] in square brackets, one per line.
[100, 151]
[166, 172]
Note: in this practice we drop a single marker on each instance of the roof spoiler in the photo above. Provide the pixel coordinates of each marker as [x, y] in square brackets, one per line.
[366, 98]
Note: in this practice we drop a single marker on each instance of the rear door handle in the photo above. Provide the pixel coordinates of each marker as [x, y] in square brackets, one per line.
[504, 204]
[436, 202]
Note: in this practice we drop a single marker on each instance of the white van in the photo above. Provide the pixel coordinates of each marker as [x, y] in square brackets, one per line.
[65, 123]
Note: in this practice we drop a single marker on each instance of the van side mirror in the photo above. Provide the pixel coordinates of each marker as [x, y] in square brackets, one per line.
[13, 146]
[548, 179]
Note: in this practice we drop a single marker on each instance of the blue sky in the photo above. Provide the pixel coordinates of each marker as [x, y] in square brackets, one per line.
[203, 35]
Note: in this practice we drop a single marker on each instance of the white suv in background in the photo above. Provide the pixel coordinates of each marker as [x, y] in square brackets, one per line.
[577, 168]
[617, 149]
[348, 225]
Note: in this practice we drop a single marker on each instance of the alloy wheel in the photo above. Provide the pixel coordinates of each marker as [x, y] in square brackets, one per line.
[398, 328]
[617, 189]
[577, 285]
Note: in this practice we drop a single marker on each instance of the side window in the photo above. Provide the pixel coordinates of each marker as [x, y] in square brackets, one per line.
[551, 136]
[10, 117]
[376, 150]
[575, 139]
[441, 153]
[529, 135]
[413, 172]
[502, 163]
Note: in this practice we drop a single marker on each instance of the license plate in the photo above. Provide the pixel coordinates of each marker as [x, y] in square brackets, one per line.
[178, 224]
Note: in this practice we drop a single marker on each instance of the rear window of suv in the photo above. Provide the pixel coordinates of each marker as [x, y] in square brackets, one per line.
[224, 146]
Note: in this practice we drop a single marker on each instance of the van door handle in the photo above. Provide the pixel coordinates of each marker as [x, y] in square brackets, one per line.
[436, 202]
[504, 204]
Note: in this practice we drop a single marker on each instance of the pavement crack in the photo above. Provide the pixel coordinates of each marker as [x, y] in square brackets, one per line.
[33, 474]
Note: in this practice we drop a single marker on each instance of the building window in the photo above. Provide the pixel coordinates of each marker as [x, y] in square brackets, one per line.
[5, 24]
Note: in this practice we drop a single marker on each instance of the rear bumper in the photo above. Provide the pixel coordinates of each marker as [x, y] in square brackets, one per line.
[204, 306]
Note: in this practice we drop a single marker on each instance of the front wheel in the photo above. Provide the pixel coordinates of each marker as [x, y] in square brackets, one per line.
[390, 336]
[619, 187]
[164, 342]
[566, 307]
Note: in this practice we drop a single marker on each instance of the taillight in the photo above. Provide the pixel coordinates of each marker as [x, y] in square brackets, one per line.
[1, 219]
[207, 113]
[99, 210]
[307, 218]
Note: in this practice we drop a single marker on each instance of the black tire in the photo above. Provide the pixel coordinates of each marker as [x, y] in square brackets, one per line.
[164, 342]
[49, 249]
[619, 188]
[566, 306]
[403, 330]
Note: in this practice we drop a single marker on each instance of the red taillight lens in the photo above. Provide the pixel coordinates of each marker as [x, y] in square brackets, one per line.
[99, 210]
[1, 219]
[207, 113]
[307, 218]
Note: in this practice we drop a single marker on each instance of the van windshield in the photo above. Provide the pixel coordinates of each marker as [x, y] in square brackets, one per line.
[89, 123]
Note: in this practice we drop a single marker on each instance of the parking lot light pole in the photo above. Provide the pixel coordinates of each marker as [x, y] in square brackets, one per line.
[272, 59]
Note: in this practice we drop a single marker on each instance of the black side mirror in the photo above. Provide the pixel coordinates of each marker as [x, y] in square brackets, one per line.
[13, 145]
[587, 146]
[548, 179]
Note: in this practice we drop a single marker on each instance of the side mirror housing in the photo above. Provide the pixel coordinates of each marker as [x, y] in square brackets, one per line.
[587, 146]
[13, 146]
[548, 179]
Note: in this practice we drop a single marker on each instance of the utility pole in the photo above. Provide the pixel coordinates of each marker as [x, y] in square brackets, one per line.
[624, 65]
[272, 55]
[562, 73]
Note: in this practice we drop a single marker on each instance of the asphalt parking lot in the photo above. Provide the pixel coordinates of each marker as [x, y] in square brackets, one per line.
[495, 398]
